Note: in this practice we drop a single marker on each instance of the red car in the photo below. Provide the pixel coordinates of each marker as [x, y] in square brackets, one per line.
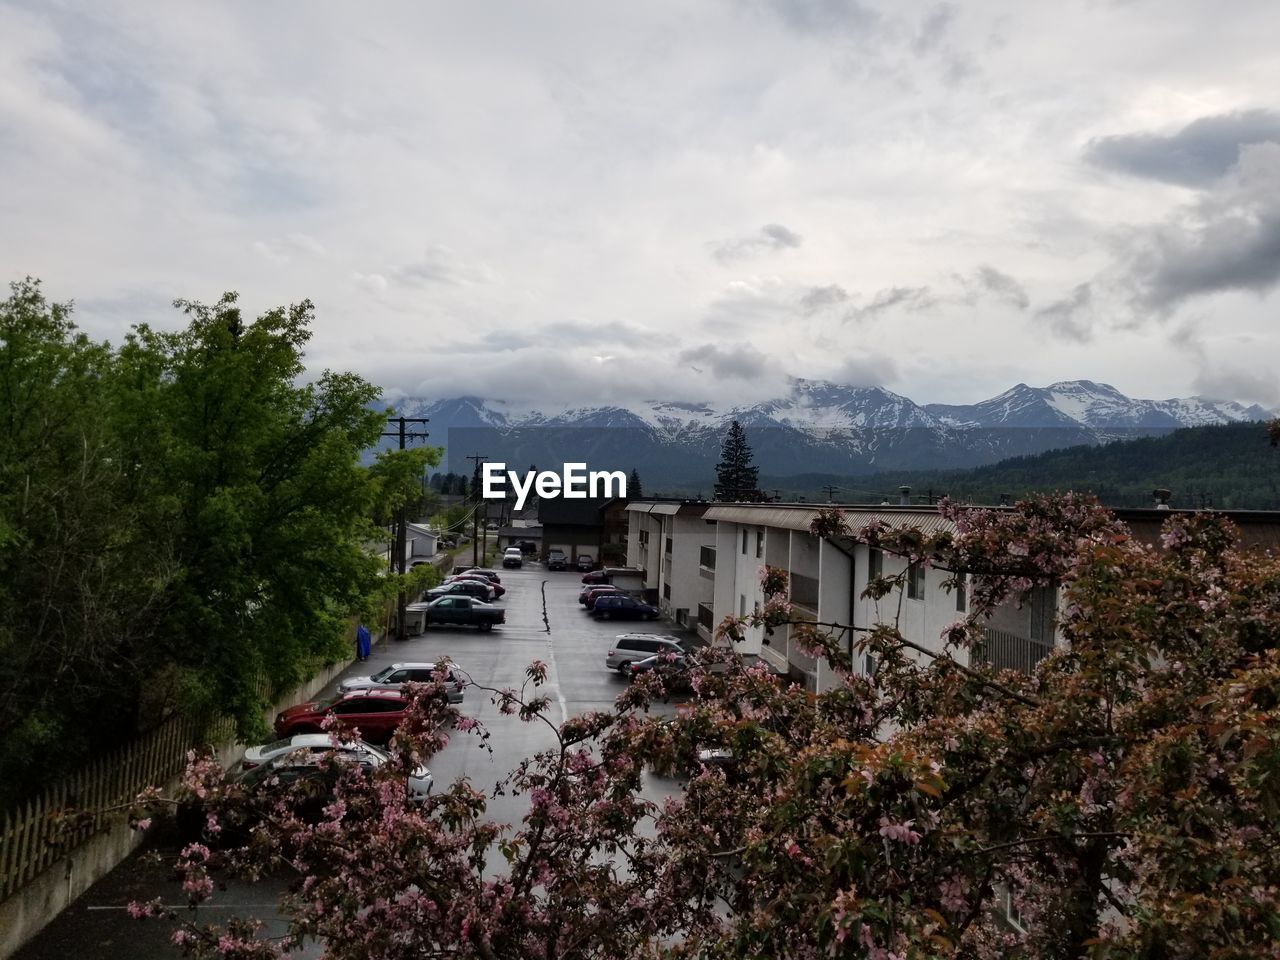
[497, 588]
[590, 595]
[597, 576]
[376, 713]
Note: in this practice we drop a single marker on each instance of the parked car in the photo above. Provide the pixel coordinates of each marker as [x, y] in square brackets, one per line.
[397, 675]
[465, 588]
[463, 610]
[620, 606]
[491, 575]
[528, 547]
[556, 560]
[596, 576]
[376, 713]
[585, 562]
[591, 593]
[627, 648]
[298, 743]
[497, 588]
[673, 668]
[512, 558]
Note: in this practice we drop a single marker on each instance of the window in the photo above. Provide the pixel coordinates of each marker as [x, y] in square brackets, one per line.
[400, 676]
[742, 603]
[1012, 913]
[962, 599]
[915, 582]
[666, 590]
[875, 568]
[1044, 607]
[744, 543]
[668, 549]
[707, 557]
[869, 665]
[759, 544]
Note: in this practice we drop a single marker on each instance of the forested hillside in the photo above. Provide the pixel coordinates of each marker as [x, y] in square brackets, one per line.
[1228, 467]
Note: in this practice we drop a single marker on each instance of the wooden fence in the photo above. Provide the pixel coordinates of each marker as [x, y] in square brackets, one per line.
[66, 815]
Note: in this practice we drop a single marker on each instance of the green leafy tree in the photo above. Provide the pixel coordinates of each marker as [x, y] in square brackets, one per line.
[256, 482]
[81, 584]
[736, 476]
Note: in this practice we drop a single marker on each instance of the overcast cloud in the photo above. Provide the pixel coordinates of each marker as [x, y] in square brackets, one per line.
[570, 202]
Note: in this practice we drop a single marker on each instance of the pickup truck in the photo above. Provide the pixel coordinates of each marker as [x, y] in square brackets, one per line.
[463, 610]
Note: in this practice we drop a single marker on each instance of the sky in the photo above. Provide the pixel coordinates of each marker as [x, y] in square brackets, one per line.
[604, 203]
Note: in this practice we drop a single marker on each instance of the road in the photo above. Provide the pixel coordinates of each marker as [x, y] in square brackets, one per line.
[571, 643]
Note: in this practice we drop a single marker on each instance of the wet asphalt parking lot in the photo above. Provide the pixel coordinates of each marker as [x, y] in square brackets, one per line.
[573, 645]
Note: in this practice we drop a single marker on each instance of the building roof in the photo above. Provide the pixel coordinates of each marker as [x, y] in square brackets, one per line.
[669, 508]
[800, 516]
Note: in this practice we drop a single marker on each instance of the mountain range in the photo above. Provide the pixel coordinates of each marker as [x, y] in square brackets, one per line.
[818, 427]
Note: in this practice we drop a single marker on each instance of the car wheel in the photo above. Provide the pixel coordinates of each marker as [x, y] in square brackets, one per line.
[604, 615]
[653, 616]
[624, 668]
[486, 626]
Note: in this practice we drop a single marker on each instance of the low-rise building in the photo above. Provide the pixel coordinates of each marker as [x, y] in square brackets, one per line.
[671, 542]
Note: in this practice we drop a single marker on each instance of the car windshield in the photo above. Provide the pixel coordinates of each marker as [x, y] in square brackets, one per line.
[277, 745]
[324, 704]
[383, 674]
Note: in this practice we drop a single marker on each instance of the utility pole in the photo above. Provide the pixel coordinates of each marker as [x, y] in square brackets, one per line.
[479, 458]
[397, 558]
[831, 492]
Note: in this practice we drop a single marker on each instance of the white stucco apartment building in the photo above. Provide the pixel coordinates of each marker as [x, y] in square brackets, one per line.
[732, 542]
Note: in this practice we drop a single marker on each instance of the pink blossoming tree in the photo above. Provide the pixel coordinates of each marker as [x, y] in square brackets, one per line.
[1122, 800]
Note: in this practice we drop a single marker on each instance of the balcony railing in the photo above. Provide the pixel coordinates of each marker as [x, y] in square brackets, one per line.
[706, 616]
[1008, 651]
[707, 557]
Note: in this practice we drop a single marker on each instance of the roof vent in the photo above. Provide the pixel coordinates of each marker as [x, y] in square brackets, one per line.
[1004, 499]
[905, 498]
[1162, 498]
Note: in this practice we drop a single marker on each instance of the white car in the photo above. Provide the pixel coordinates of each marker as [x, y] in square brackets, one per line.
[308, 749]
[513, 557]
[398, 674]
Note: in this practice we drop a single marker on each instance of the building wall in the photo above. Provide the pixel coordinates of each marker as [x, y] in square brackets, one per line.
[687, 587]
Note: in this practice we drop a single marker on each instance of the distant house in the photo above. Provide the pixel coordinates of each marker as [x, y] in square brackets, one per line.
[421, 543]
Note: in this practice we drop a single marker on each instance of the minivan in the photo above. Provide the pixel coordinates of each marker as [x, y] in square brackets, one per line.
[627, 648]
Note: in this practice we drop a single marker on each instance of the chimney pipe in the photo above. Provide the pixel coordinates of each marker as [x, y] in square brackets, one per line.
[1004, 499]
[1162, 498]
[906, 496]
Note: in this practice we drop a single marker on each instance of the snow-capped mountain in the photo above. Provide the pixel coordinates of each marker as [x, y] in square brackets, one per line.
[817, 427]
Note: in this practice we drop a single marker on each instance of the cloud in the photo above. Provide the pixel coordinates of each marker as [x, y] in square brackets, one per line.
[744, 363]
[771, 237]
[866, 370]
[1235, 383]
[1228, 240]
[820, 16]
[1201, 152]
[1071, 318]
[934, 29]
[439, 265]
[816, 299]
[990, 282]
[908, 298]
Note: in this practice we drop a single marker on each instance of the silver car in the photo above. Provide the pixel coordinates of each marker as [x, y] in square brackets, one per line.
[398, 674]
[628, 648]
[296, 756]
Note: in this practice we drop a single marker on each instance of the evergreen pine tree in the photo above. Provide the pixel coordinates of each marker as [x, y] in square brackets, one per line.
[634, 490]
[736, 476]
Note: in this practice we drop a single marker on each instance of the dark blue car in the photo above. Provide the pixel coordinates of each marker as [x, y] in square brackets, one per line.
[622, 607]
